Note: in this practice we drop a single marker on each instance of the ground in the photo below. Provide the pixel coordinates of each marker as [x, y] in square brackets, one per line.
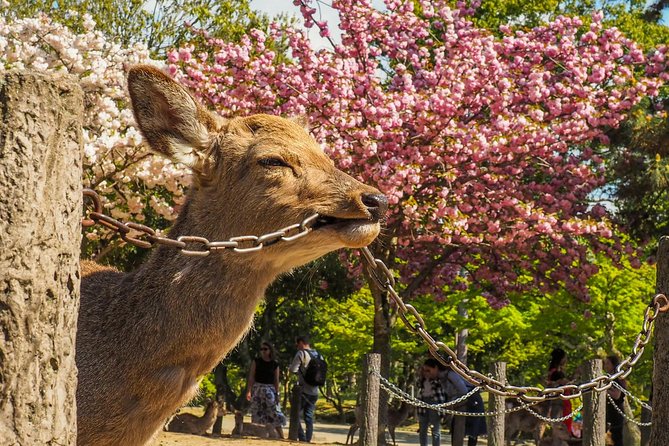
[324, 434]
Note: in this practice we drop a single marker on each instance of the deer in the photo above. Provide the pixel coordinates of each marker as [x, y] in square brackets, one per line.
[524, 421]
[252, 429]
[145, 337]
[395, 418]
[192, 424]
[559, 436]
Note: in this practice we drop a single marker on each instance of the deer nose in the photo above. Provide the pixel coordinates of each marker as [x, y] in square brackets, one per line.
[377, 205]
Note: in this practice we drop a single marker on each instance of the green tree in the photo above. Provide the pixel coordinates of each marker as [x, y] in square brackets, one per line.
[159, 24]
[523, 333]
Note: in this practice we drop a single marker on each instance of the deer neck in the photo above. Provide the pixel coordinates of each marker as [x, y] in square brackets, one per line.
[204, 305]
[210, 414]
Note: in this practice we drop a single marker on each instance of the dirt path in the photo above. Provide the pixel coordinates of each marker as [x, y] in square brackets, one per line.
[324, 434]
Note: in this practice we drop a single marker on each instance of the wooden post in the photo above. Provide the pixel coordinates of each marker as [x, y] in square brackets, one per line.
[40, 236]
[497, 404]
[295, 406]
[370, 400]
[659, 432]
[594, 409]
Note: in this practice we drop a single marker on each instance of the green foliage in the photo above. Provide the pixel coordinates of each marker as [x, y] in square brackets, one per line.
[523, 333]
[207, 391]
[636, 19]
[160, 24]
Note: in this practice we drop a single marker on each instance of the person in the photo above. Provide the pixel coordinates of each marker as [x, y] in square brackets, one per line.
[308, 392]
[456, 387]
[431, 391]
[614, 410]
[263, 389]
[557, 377]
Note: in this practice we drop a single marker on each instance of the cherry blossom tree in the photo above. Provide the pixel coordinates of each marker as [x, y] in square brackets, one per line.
[133, 183]
[483, 144]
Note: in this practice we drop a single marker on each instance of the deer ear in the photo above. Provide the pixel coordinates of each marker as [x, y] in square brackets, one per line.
[170, 119]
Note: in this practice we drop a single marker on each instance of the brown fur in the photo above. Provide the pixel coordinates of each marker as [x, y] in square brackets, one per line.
[192, 424]
[252, 429]
[559, 436]
[523, 421]
[145, 337]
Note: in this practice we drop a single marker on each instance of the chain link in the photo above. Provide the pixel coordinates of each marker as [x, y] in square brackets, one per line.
[621, 412]
[556, 420]
[192, 245]
[384, 279]
[635, 398]
[401, 395]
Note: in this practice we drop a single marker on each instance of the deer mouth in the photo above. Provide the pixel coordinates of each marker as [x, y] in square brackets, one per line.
[348, 232]
[333, 222]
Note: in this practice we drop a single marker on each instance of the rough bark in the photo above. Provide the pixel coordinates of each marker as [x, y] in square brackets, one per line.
[294, 426]
[369, 426]
[40, 235]
[594, 409]
[497, 404]
[659, 434]
[382, 329]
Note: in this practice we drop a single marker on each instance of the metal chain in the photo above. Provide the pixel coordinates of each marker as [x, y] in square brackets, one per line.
[395, 392]
[384, 279]
[556, 420]
[621, 412]
[193, 245]
[401, 395]
[635, 398]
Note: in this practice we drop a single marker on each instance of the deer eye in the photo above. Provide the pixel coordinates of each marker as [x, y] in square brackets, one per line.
[273, 162]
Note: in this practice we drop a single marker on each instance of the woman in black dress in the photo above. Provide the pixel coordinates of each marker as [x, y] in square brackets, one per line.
[263, 389]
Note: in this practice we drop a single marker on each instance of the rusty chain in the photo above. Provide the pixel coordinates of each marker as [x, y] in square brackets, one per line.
[193, 245]
[384, 279]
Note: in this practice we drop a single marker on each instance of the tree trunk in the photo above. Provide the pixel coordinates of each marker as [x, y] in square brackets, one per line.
[295, 402]
[594, 409]
[631, 432]
[382, 327]
[462, 335]
[370, 401]
[40, 235]
[497, 404]
[659, 434]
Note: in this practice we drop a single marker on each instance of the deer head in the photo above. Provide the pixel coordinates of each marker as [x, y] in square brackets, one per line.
[254, 174]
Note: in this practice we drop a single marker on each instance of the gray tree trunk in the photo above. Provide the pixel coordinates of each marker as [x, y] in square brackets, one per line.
[369, 425]
[594, 409]
[382, 331]
[659, 434]
[40, 236]
[497, 404]
[295, 403]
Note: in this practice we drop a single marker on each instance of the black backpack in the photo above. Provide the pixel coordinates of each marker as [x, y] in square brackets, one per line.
[316, 371]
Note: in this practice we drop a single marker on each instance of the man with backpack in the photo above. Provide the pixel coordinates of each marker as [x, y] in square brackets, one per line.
[311, 369]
